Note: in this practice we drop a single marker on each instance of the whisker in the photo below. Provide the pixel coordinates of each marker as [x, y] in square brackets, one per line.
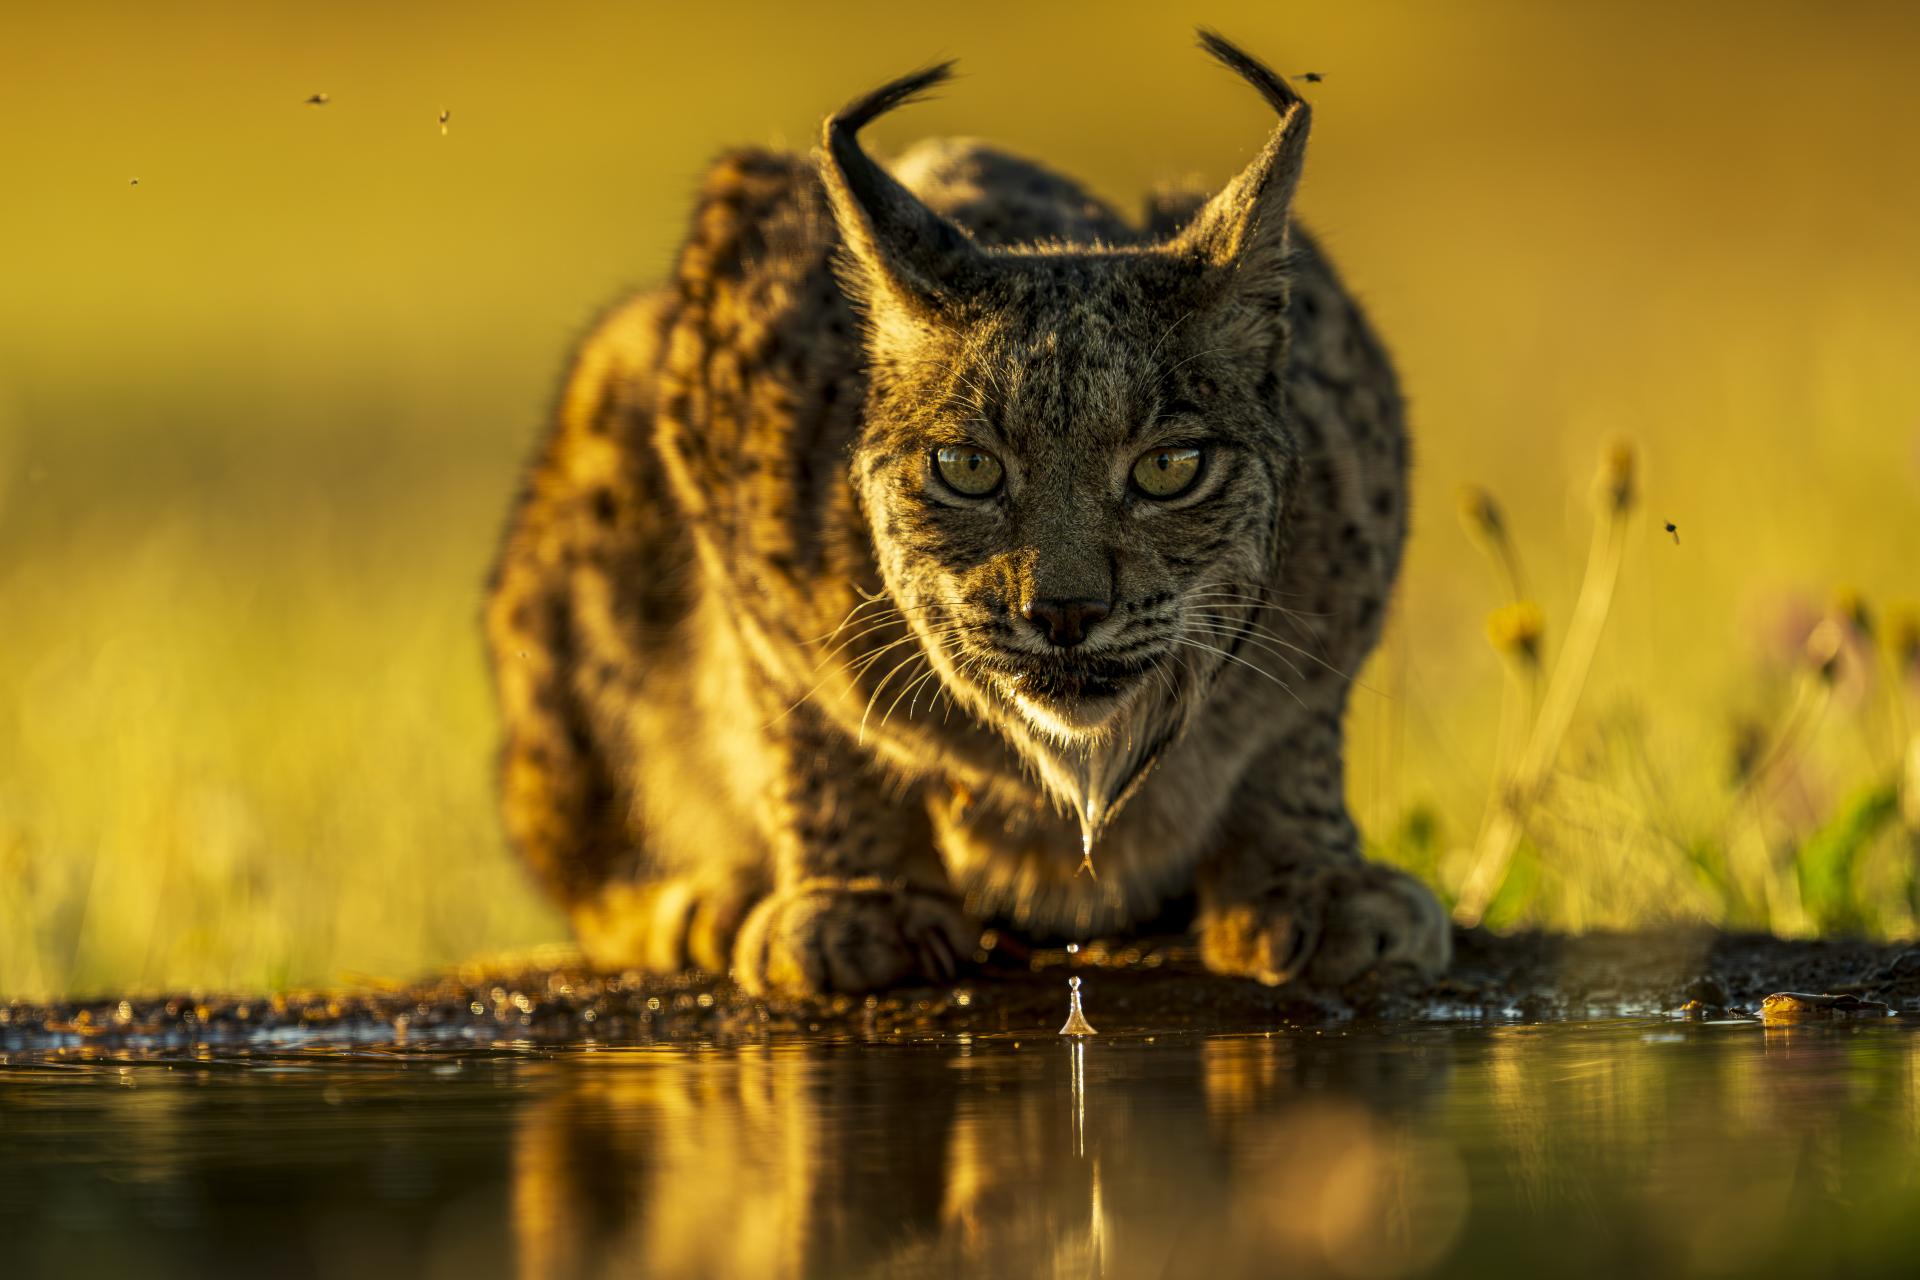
[1230, 633]
[1255, 601]
[866, 602]
[1254, 627]
[1189, 642]
[1165, 682]
[917, 654]
[860, 665]
[1168, 334]
[919, 680]
[980, 394]
[881, 625]
[1171, 369]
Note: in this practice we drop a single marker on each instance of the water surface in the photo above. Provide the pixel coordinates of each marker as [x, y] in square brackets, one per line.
[1612, 1148]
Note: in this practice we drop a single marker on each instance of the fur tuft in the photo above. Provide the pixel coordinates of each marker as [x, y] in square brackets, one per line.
[864, 110]
[1274, 88]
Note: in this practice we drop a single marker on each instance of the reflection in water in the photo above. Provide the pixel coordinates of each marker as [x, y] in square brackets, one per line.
[1625, 1148]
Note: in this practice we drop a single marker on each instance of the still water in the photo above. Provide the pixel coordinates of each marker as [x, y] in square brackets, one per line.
[1620, 1148]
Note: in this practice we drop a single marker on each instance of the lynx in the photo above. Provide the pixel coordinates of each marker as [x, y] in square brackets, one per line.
[937, 547]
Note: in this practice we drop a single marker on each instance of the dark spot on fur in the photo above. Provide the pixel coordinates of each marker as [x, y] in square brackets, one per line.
[604, 413]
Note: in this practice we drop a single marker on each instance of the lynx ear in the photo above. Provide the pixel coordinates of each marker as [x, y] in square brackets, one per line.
[1244, 228]
[892, 241]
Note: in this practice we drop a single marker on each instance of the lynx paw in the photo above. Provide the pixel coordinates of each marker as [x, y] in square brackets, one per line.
[662, 926]
[1328, 924]
[850, 935]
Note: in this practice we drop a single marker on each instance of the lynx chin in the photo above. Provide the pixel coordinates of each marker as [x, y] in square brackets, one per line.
[938, 545]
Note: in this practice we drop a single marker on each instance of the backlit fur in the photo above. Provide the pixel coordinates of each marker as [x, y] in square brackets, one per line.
[770, 698]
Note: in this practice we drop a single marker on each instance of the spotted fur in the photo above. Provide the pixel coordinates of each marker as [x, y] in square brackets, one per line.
[772, 695]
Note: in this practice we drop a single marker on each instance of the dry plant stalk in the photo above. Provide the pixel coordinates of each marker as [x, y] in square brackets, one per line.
[1515, 797]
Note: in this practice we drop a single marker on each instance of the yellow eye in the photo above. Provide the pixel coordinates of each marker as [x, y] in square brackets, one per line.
[1167, 473]
[967, 470]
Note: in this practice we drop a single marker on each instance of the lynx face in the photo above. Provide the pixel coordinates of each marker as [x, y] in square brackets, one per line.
[1074, 497]
[1074, 465]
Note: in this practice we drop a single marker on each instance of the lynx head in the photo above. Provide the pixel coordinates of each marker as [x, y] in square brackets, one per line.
[1074, 462]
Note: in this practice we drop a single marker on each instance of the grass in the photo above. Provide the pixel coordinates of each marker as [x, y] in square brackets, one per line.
[1597, 839]
[248, 757]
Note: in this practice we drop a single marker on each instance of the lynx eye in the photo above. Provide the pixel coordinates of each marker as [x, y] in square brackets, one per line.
[966, 470]
[1166, 473]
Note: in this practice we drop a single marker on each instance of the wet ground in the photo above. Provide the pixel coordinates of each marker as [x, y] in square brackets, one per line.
[1014, 988]
[1603, 1106]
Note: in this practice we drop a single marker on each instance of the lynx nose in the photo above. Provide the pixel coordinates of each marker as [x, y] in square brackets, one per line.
[1064, 622]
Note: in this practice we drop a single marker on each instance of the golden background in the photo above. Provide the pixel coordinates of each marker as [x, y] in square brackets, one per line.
[260, 413]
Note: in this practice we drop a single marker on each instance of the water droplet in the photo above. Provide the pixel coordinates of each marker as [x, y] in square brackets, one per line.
[1077, 1024]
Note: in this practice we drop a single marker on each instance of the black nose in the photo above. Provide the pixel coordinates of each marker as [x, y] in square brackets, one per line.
[1064, 622]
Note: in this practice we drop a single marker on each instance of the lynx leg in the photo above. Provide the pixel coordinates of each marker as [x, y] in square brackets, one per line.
[1287, 896]
[562, 811]
[860, 899]
[578, 830]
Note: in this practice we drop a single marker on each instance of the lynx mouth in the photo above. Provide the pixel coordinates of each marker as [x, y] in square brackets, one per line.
[1066, 686]
[1070, 696]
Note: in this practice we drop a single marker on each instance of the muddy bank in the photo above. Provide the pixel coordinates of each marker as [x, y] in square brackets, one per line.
[1136, 986]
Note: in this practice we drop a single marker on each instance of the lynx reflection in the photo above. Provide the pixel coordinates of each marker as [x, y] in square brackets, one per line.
[985, 1161]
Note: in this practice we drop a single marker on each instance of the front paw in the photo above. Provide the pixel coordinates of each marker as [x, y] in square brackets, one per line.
[1327, 924]
[848, 936]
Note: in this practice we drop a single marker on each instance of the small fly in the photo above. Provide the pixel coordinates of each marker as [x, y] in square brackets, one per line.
[318, 100]
[1674, 529]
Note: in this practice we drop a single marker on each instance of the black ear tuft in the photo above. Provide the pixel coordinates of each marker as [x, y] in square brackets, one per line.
[893, 241]
[1278, 93]
[910, 88]
[1244, 227]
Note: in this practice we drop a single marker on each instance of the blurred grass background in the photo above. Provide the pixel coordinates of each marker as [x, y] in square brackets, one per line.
[260, 415]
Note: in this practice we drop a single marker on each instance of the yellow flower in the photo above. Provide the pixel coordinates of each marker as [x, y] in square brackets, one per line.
[1515, 630]
[1903, 637]
[1851, 608]
[1617, 476]
[1481, 514]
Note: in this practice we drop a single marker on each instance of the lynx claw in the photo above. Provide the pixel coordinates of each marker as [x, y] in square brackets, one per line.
[1327, 926]
[849, 936]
